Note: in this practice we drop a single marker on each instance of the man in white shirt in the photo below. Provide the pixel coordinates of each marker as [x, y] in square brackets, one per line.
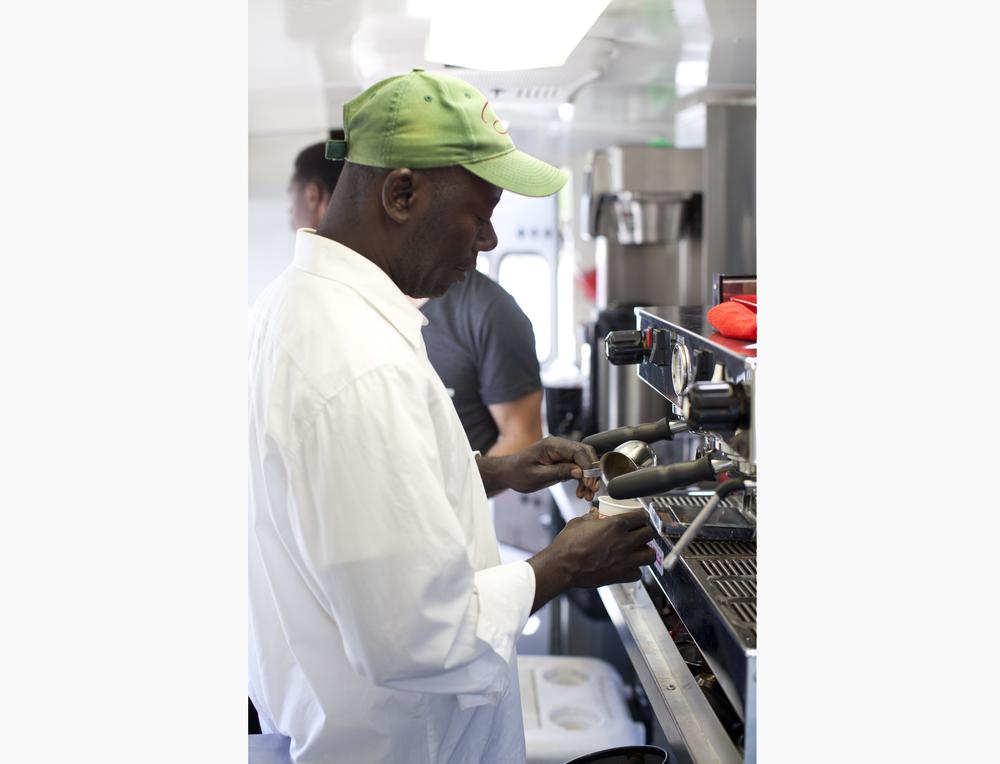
[382, 625]
[478, 339]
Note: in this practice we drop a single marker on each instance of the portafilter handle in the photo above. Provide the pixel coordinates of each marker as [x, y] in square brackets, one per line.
[655, 480]
[609, 440]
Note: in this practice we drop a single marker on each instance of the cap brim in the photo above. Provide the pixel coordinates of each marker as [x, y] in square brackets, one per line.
[519, 172]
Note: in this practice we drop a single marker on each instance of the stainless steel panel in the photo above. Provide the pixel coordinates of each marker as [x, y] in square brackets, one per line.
[650, 274]
[630, 401]
[648, 219]
[693, 732]
[642, 169]
[730, 229]
[619, 398]
[689, 325]
[692, 729]
[643, 206]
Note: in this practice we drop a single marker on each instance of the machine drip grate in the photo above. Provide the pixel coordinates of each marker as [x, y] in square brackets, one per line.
[728, 572]
[687, 500]
[678, 511]
[727, 549]
[737, 587]
[736, 566]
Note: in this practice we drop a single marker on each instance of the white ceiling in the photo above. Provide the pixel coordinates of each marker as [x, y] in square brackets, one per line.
[307, 57]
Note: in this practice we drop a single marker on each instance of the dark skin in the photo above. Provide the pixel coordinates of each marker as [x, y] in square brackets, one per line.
[424, 229]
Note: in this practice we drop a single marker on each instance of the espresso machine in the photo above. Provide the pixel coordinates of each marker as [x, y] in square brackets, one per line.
[667, 224]
[704, 511]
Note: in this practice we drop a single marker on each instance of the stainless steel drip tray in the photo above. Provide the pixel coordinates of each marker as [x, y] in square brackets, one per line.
[714, 592]
[677, 510]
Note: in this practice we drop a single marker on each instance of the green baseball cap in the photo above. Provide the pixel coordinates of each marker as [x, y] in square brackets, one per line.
[424, 119]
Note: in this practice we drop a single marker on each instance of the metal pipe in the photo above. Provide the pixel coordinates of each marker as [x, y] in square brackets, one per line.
[701, 518]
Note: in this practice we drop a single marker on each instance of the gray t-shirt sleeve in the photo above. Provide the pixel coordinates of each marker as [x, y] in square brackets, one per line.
[505, 346]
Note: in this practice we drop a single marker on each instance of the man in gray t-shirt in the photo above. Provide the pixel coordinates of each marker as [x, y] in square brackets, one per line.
[483, 347]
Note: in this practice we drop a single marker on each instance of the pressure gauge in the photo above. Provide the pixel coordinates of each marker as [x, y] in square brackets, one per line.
[680, 368]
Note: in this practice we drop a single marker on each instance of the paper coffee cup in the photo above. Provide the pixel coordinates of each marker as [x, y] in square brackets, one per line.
[606, 506]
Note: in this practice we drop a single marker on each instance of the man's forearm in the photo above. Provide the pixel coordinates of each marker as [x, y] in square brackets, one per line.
[552, 576]
[495, 471]
[519, 423]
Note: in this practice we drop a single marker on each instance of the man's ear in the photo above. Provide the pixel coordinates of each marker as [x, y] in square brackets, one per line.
[313, 194]
[398, 191]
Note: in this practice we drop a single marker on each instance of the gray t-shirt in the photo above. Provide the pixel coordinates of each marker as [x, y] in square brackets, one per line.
[482, 346]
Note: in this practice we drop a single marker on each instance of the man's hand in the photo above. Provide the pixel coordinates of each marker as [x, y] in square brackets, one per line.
[592, 551]
[549, 461]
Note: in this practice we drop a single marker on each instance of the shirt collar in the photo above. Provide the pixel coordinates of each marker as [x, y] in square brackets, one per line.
[332, 260]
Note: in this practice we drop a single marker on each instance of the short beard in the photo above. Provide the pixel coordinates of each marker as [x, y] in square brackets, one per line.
[418, 259]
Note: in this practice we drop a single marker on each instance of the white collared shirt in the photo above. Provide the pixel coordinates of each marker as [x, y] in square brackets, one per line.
[382, 625]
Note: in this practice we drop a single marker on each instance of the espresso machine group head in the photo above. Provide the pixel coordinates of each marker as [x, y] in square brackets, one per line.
[708, 378]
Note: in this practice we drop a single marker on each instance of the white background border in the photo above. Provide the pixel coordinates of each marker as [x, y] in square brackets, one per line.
[122, 402]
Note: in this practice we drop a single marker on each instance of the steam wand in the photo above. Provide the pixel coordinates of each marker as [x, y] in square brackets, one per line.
[702, 517]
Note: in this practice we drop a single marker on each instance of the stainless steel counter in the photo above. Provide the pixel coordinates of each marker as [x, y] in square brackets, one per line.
[691, 727]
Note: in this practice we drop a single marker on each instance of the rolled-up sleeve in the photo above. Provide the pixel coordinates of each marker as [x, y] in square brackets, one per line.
[386, 554]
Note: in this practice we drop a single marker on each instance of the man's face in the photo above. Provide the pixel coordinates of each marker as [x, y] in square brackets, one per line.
[445, 240]
[307, 204]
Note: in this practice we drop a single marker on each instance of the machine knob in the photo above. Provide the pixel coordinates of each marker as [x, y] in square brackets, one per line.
[659, 347]
[717, 406]
[625, 347]
[703, 365]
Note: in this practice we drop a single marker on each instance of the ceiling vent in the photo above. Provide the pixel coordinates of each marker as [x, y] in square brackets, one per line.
[549, 87]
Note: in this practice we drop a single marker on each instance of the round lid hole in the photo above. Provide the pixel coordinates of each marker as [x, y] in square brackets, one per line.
[575, 719]
[565, 676]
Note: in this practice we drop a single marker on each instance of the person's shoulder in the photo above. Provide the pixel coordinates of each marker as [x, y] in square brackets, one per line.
[315, 322]
[479, 283]
[301, 301]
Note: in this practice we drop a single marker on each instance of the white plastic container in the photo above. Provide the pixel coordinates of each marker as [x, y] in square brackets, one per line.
[606, 506]
[572, 706]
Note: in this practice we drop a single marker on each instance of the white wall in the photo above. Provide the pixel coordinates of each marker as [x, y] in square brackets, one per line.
[269, 235]
[269, 240]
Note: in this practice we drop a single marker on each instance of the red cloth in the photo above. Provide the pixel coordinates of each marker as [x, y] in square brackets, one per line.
[588, 283]
[734, 319]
